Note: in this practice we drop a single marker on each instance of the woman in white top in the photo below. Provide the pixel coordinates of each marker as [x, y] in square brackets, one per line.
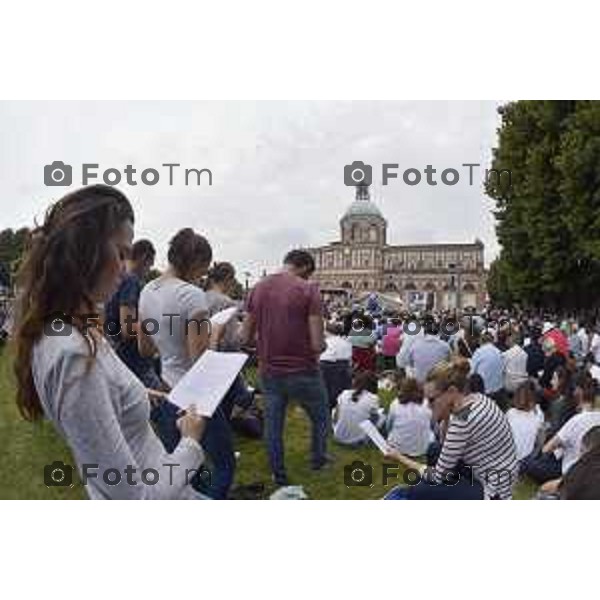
[526, 421]
[182, 334]
[409, 422]
[66, 369]
[355, 406]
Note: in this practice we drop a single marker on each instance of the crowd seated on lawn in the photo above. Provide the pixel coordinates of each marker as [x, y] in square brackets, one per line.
[473, 402]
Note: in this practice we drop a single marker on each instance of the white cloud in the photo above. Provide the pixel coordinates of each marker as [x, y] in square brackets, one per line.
[277, 167]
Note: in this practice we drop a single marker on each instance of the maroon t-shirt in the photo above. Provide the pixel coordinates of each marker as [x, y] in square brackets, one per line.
[281, 305]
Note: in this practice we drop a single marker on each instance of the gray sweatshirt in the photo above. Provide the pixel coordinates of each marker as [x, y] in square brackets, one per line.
[103, 415]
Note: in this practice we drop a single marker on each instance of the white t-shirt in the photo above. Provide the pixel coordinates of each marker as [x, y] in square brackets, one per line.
[350, 414]
[338, 348]
[571, 433]
[515, 367]
[525, 426]
[595, 347]
[172, 303]
[409, 428]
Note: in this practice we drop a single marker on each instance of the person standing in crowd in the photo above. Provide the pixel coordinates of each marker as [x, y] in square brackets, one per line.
[390, 343]
[121, 315]
[183, 335]
[220, 283]
[594, 346]
[363, 338]
[425, 352]
[284, 316]
[336, 362]
[515, 365]
[553, 361]
[487, 362]
[535, 353]
[576, 345]
[75, 261]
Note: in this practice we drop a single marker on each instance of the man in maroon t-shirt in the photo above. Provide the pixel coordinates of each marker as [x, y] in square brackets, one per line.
[284, 316]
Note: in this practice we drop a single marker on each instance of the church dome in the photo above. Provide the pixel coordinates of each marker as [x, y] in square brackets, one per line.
[362, 205]
[363, 208]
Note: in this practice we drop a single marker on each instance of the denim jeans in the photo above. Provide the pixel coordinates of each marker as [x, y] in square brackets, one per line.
[337, 376]
[462, 490]
[217, 443]
[308, 389]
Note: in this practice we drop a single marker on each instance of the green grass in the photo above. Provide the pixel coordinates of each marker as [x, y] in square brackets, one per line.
[26, 448]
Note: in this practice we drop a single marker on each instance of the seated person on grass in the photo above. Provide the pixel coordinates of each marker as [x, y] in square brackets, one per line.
[355, 406]
[409, 421]
[477, 458]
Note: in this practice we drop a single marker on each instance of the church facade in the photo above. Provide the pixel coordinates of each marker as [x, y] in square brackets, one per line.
[438, 276]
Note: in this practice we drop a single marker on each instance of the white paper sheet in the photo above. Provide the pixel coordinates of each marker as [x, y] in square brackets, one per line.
[207, 382]
[373, 433]
[223, 316]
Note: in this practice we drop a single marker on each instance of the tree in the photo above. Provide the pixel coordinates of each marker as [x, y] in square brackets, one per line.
[152, 274]
[12, 247]
[548, 223]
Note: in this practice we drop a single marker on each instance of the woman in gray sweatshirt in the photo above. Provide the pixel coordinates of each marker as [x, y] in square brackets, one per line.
[67, 370]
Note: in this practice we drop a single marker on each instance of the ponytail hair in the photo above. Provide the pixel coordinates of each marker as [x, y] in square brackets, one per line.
[364, 381]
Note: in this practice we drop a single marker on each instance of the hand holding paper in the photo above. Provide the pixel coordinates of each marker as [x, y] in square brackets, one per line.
[207, 382]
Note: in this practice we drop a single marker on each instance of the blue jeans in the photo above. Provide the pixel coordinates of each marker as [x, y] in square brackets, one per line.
[309, 390]
[337, 377]
[463, 490]
[217, 443]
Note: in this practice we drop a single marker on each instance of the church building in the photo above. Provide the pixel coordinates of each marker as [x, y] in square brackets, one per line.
[428, 276]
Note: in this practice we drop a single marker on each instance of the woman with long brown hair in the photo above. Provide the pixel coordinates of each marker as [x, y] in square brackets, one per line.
[67, 370]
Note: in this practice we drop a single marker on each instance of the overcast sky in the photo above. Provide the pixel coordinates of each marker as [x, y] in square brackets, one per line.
[277, 168]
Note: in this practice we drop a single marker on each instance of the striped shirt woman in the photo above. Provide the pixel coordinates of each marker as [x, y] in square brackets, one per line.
[479, 436]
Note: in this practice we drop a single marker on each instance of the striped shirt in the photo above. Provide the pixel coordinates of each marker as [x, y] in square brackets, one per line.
[479, 435]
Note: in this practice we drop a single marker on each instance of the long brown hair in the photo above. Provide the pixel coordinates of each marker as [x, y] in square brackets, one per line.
[62, 266]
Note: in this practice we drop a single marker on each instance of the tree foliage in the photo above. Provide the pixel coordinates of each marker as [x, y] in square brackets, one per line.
[548, 220]
[12, 246]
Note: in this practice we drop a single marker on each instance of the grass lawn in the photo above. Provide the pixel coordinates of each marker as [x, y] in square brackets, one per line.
[26, 448]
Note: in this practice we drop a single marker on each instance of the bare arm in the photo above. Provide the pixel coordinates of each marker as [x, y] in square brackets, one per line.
[315, 329]
[129, 322]
[248, 332]
[552, 445]
[198, 334]
[408, 462]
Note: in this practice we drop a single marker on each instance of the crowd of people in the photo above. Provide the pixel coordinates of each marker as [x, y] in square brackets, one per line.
[478, 401]
[501, 395]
